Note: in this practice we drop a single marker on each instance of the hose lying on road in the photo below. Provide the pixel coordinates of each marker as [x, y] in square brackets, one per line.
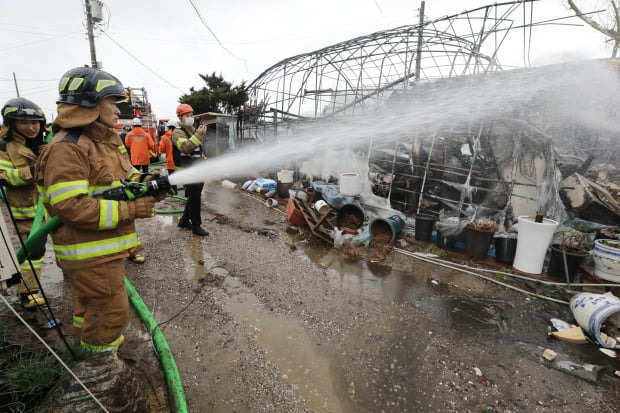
[171, 372]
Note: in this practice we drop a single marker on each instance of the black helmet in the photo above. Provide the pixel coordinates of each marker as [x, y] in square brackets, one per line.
[85, 86]
[22, 108]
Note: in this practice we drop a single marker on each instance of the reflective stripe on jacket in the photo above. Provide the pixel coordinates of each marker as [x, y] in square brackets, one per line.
[68, 171]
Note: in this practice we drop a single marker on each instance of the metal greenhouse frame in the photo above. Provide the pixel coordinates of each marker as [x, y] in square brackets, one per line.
[347, 76]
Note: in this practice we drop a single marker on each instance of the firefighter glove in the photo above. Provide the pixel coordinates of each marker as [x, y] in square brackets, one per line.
[142, 207]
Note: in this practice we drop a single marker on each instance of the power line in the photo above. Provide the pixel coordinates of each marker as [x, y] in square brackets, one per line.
[139, 61]
[204, 23]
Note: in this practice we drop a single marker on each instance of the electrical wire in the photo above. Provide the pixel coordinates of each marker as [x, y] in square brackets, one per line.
[449, 265]
[204, 23]
[139, 61]
[196, 293]
[54, 354]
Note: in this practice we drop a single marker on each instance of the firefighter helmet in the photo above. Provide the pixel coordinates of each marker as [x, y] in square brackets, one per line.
[24, 109]
[136, 122]
[171, 124]
[86, 86]
[184, 108]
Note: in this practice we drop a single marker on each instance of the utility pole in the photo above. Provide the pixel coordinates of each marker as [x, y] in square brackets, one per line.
[418, 52]
[91, 37]
[15, 81]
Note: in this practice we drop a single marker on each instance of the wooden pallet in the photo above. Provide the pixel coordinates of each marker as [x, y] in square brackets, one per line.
[319, 224]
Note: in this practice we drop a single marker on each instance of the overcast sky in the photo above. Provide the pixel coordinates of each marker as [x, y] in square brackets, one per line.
[42, 39]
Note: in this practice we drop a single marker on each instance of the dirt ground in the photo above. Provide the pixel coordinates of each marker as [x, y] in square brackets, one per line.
[263, 317]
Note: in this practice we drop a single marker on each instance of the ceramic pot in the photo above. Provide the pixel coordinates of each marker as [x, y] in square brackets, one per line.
[606, 256]
[591, 310]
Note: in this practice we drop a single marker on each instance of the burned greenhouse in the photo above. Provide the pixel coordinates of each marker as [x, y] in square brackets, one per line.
[430, 119]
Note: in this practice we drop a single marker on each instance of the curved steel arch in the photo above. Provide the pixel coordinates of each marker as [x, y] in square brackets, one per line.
[347, 76]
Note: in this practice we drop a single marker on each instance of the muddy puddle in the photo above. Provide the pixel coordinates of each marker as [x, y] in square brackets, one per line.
[523, 319]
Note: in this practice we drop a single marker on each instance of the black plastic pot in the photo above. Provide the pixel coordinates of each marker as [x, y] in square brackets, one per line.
[505, 249]
[424, 227]
[478, 242]
[447, 243]
[556, 263]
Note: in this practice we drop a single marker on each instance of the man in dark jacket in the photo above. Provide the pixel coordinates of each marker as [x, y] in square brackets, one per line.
[187, 150]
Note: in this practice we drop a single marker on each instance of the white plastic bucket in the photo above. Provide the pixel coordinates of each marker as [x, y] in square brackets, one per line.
[321, 207]
[285, 176]
[228, 185]
[591, 310]
[350, 184]
[271, 202]
[532, 243]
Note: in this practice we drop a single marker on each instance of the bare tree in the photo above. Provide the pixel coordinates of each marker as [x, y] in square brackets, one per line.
[610, 28]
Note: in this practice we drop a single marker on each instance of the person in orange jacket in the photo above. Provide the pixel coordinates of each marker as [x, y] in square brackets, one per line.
[139, 142]
[165, 147]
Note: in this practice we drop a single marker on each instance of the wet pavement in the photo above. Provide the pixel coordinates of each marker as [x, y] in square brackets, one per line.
[257, 325]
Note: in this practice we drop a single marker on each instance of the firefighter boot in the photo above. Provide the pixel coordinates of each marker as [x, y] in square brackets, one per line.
[137, 258]
[31, 300]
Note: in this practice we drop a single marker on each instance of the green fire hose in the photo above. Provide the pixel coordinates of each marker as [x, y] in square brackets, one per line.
[171, 372]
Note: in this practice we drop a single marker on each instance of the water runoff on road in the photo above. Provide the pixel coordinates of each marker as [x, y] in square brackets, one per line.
[586, 93]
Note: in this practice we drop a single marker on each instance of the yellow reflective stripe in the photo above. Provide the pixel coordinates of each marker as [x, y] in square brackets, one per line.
[6, 165]
[122, 148]
[132, 172]
[42, 193]
[108, 214]
[24, 212]
[94, 188]
[12, 173]
[76, 83]
[194, 139]
[65, 190]
[14, 178]
[36, 264]
[63, 84]
[103, 83]
[113, 346]
[93, 249]
[179, 143]
[78, 321]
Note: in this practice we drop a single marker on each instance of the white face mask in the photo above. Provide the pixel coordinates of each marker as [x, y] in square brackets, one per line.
[188, 121]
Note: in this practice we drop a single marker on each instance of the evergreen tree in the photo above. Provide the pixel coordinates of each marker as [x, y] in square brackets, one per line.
[217, 95]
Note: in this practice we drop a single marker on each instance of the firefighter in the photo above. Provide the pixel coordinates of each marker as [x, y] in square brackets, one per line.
[165, 146]
[21, 141]
[187, 150]
[91, 246]
[139, 143]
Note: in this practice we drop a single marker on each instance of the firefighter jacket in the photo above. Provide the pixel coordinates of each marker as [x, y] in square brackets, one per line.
[16, 170]
[165, 146]
[139, 142]
[186, 146]
[75, 163]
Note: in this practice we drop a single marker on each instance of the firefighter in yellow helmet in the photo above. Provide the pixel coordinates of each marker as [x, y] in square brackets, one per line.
[21, 142]
[86, 154]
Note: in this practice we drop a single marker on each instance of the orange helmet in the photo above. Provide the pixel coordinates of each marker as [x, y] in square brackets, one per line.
[184, 108]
